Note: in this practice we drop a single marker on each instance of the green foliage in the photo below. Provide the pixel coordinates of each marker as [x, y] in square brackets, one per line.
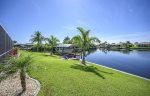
[126, 44]
[41, 48]
[15, 64]
[52, 42]
[1, 67]
[20, 62]
[37, 38]
[84, 41]
[67, 40]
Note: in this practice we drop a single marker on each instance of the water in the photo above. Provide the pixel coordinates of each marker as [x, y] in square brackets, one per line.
[134, 62]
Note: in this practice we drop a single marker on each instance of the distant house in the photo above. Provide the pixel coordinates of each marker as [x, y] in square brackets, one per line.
[114, 46]
[6, 43]
[143, 44]
[23, 46]
[65, 48]
[117, 46]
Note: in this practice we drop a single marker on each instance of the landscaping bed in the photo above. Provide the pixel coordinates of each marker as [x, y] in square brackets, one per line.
[12, 86]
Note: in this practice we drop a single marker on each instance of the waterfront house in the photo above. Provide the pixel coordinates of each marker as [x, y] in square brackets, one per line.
[23, 46]
[142, 44]
[65, 48]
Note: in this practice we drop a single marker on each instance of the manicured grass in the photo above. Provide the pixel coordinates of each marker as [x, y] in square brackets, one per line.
[136, 47]
[60, 77]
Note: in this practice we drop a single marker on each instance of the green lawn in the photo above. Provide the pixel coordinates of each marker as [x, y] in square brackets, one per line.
[60, 77]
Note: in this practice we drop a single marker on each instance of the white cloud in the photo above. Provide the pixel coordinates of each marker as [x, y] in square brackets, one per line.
[136, 37]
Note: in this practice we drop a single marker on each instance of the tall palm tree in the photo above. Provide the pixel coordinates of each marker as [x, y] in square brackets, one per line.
[52, 42]
[67, 40]
[84, 41]
[45, 45]
[37, 38]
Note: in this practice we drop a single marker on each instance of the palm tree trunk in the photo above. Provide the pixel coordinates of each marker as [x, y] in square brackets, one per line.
[23, 80]
[45, 48]
[52, 51]
[37, 48]
[83, 57]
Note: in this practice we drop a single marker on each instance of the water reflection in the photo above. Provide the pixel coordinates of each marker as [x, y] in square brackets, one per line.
[132, 61]
[90, 52]
[106, 51]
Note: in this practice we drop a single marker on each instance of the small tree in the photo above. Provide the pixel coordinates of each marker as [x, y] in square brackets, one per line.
[128, 44]
[37, 38]
[84, 41]
[15, 64]
[67, 40]
[52, 42]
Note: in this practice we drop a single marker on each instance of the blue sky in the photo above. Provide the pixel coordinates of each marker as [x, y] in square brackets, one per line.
[110, 20]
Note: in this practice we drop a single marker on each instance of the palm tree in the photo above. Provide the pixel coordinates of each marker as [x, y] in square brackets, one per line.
[37, 38]
[105, 44]
[84, 41]
[67, 40]
[17, 64]
[52, 42]
[45, 45]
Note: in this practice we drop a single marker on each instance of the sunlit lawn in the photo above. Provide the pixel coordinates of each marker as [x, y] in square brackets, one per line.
[60, 77]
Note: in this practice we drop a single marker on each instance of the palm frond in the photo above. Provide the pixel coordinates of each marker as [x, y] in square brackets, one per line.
[37, 37]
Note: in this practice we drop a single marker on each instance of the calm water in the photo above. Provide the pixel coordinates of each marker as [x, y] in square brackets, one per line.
[134, 62]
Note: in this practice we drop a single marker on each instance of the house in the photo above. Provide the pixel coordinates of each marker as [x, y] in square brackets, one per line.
[23, 46]
[65, 48]
[142, 44]
[6, 43]
[114, 46]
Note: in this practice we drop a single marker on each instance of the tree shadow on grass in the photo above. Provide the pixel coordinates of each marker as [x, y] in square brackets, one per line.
[92, 69]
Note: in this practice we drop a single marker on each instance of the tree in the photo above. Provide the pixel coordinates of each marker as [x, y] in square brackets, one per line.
[14, 41]
[105, 44]
[45, 45]
[17, 64]
[37, 38]
[84, 41]
[128, 44]
[67, 40]
[52, 42]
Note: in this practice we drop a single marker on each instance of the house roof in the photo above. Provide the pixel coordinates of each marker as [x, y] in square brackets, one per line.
[143, 43]
[64, 45]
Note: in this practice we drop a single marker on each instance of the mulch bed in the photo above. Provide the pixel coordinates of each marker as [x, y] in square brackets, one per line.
[12, 86]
